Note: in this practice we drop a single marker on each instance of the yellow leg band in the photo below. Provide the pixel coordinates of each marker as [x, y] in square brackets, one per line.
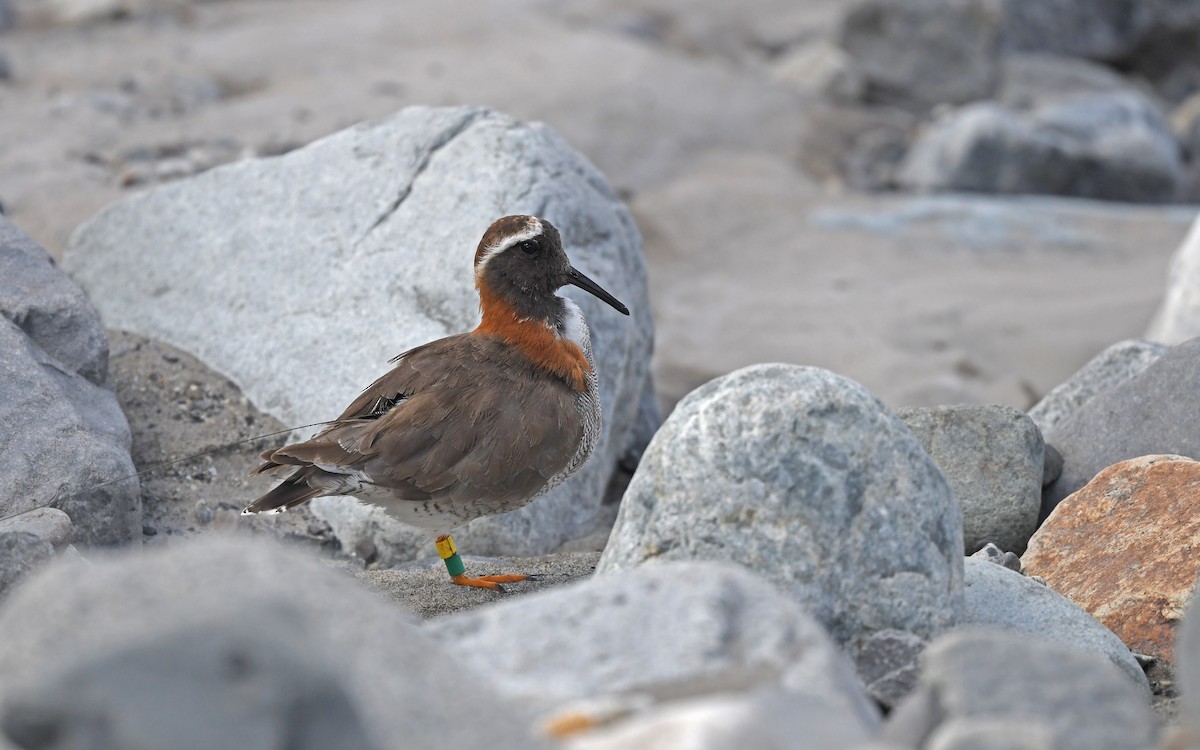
[446, 548]
[449, 555]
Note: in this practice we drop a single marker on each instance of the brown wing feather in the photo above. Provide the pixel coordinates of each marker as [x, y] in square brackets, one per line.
[289, 493]
[416, 371]
[465, 418]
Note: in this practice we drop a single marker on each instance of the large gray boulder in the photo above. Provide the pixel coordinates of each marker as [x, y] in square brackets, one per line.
[1042, 695]
[993, 457]
[655, 634]
[1110, 145]
[1125, 143]
[806, 478]
[67, 628]
[1178, 318]
[1150, 413]
[1000, 598]
[70, 441]
[920, 53]
[1109, 368]
[300, 276]
[172, 692]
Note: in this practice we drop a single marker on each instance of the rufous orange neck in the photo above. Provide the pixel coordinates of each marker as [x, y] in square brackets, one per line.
[536, 340]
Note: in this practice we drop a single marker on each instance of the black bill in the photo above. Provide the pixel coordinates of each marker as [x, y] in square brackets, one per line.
[583, 282]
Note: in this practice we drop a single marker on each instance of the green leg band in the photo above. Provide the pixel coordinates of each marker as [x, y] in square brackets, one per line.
[449, 554]
[454, 564]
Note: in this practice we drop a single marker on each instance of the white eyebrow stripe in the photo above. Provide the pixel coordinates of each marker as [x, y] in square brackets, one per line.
[533, 229]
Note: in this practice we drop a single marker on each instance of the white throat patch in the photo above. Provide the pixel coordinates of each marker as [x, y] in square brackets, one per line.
[532, 229]
[574, 326]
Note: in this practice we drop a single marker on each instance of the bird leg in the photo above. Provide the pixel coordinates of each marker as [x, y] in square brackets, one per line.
[458, 572]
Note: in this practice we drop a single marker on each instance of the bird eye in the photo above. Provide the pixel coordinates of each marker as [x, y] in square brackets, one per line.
[529, 247]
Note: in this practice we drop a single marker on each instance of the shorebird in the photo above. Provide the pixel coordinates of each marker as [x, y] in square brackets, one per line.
[469, 425]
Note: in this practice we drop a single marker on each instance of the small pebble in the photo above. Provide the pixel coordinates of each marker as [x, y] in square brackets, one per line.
[992, 553]
[203, 513]
[148, 530]
[1052, 469]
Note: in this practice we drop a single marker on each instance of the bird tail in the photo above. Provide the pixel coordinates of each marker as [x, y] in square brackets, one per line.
[293, 491]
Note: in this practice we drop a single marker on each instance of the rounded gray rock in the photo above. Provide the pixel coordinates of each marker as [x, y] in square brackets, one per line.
[806, 478]
[985, 147]
[73, 615]
[1053, 467]
[73, 451]
[993, 456]
[1109, 146]
[660, 633]
[50, 524]
[1080, 700]
[74, 447]
[1149, 413]
[993, 554]
[1109, 368]
[53, 312]
[1001, 598]
[215, 684]
[889, 664]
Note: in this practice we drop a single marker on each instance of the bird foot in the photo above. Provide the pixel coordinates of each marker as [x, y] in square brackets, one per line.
[488, 582]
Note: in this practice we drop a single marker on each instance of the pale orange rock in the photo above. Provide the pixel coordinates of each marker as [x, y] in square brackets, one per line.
[1126, 548]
